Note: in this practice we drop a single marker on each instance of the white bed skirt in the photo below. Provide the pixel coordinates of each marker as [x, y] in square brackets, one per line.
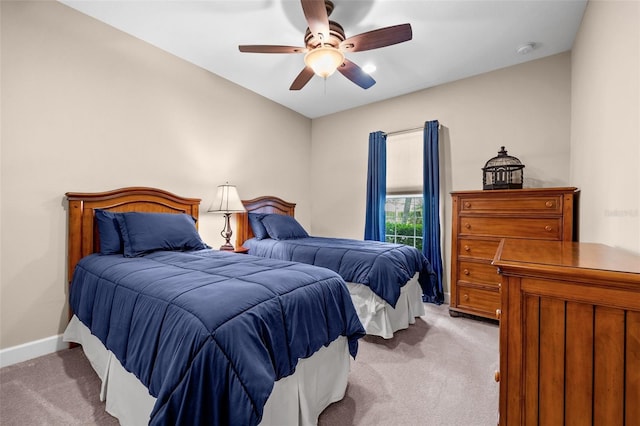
[378, 317]
[295, 400]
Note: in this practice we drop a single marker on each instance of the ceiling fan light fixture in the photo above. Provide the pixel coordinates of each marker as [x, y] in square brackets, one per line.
[324, 60]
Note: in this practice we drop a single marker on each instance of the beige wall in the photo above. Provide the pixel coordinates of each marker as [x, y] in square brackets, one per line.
[605, 123]
[87, 108]
[525, 107]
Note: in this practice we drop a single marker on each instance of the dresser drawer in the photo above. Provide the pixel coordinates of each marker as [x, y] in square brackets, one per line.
[537, 228]
[512, 204]
[481, 273]
[478, 249]
[477, 299]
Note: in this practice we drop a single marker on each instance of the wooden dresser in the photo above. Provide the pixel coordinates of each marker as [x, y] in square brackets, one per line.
[481, 219]
[569, 334]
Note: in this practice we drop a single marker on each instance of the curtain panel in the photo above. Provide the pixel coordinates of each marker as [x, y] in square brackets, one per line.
[374, 228]
[432, 290]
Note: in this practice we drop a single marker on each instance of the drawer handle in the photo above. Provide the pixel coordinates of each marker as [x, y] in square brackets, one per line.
[549, 204]
[498, 313]
[467, 248]
[465, 296]
[467, 225]
[467, 205]
[548, 228]
[496, 376]
[466, 272]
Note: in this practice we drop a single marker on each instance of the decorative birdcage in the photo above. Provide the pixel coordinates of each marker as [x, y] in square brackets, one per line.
[503, 172]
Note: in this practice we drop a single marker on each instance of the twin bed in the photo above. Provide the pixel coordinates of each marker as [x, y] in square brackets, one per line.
[181, 334]
[383, 279]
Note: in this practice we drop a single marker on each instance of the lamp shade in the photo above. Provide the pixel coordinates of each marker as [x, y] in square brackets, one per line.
[227, 200]
[324, 60]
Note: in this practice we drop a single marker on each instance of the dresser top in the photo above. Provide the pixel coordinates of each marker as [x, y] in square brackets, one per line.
[563, 257]
[523, 191]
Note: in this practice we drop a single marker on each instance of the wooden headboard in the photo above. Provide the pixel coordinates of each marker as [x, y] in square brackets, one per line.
[265, 204]
[83, 229]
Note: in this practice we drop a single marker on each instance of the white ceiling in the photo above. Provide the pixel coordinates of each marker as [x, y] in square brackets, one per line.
[452, 39]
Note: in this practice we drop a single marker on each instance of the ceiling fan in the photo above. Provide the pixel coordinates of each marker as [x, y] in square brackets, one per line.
[325, 46]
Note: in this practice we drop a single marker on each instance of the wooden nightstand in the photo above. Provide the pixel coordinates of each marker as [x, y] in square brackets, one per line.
[242, 250]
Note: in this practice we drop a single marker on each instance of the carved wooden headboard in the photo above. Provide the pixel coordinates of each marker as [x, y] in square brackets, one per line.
[83, 229]
[265, 204]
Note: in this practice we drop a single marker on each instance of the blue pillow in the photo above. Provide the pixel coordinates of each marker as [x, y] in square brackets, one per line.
[147, 232]
[109, 232]
[283, 227]
[259, 231]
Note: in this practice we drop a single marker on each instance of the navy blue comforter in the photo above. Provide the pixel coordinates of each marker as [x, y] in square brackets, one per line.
[209, 332]
[384, 267]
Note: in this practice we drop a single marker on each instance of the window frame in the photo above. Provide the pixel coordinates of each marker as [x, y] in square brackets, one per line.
[416, 218]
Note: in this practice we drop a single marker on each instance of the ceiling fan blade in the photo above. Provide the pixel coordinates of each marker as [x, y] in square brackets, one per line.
[315, 13]
[354, 73]
[302, 79]
[378, 38]
[256, 48]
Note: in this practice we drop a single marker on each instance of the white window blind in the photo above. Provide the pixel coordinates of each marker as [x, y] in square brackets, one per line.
[404, 163]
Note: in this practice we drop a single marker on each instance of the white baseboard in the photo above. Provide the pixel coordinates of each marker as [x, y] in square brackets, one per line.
[30, 350]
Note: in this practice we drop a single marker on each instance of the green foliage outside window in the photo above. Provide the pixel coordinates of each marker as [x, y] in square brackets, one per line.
[404, 221]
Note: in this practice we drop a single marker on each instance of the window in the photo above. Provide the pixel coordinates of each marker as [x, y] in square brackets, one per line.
[404, 220]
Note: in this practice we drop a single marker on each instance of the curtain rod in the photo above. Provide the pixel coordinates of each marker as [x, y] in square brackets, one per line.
[414, 129]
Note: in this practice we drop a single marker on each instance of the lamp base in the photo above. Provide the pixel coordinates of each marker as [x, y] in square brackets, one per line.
[226, 234]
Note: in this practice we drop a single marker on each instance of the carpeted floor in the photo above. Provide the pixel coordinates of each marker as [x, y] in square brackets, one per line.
[439, 372]
[56, 389]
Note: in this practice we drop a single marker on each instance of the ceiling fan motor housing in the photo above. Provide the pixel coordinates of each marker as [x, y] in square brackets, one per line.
[336, 36]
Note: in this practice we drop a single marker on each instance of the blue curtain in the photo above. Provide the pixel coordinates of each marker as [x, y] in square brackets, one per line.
[374, 228]
[432, 287]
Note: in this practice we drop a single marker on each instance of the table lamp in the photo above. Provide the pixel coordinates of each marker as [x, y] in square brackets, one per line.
[227, 202]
